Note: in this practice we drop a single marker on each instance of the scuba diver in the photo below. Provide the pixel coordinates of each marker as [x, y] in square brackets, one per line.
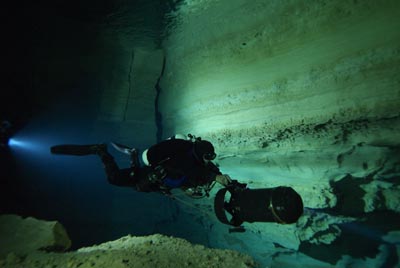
[179, 162]
[185, 162]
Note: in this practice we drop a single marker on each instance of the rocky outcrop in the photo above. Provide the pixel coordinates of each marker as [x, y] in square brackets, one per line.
[22, 236]
[25, 250]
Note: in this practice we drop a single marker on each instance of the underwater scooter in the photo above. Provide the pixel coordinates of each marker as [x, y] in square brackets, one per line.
[280, 204]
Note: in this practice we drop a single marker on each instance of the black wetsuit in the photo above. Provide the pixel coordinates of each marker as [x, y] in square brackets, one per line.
[173, 164]
[135, 176]
[177, 157]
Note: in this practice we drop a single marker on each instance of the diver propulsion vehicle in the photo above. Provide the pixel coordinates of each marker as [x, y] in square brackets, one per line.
[280, 204]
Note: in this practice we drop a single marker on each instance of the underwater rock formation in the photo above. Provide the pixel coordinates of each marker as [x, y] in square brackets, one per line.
[150, 251]
[22, 236]
[298, 94]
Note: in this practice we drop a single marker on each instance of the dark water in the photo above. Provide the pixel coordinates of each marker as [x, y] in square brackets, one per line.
[51, 96]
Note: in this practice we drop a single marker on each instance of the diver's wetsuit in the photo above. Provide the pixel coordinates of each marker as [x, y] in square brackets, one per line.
[179, 160]
[173, 163]
[136, 176]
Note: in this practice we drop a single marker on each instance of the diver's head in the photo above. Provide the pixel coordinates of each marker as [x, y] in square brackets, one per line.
[204, 151]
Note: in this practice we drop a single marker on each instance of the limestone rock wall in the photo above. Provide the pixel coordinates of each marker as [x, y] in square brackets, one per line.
[290, 92]
[127, 100]
[303, 94]
[281, 63]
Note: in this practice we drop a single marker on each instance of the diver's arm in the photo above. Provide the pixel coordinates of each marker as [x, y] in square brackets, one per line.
[223, 179]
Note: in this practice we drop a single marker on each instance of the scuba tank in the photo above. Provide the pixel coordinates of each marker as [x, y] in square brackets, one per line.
[280, 204]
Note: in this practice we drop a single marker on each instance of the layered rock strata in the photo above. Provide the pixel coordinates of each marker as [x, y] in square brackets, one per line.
[299, 94]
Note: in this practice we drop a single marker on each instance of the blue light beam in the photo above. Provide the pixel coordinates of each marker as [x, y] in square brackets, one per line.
[23, 144]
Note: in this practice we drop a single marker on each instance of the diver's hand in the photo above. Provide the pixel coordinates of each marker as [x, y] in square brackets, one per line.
[223, 179]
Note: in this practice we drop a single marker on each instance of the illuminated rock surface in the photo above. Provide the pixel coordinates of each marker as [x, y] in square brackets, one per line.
[22, 236]
[150, 251]
[299, 94]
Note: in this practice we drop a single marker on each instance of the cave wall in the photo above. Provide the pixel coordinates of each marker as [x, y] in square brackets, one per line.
[287, 88]
[326, 61]
[127, 100]
[303, 94]
[105, 66]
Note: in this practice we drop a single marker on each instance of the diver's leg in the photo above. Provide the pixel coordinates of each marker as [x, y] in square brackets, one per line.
[110, 166]
[135, 159]
[115, 176]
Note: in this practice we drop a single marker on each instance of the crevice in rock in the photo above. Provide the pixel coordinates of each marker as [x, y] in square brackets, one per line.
[158, 115]
[129, 84]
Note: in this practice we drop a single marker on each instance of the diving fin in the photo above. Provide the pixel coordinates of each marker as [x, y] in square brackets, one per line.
[73, 149]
